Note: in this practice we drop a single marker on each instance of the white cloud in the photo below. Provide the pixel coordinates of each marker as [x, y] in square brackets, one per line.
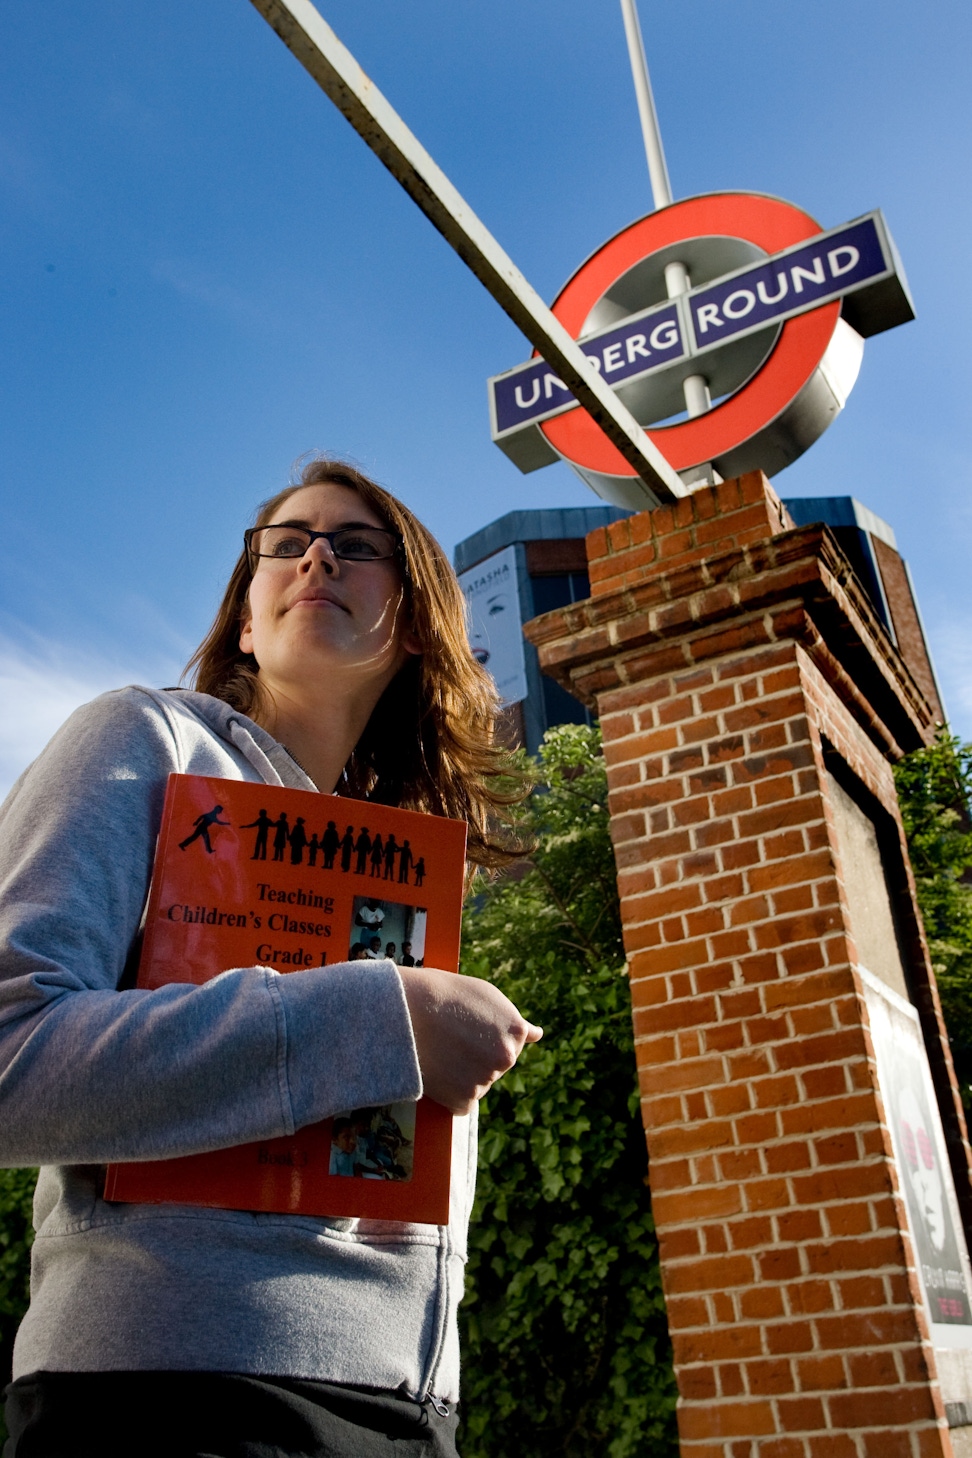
[42, 682]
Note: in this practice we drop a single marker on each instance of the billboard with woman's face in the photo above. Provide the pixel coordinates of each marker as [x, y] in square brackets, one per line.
[924, 1173]
[495, 628]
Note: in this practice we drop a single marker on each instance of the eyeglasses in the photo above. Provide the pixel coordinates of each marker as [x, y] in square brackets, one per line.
[349, 544]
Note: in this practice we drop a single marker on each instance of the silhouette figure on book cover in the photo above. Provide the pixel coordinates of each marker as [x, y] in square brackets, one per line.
[203, 824]
[262, 825]
[347, 848]
[362, 846]
[377, 855]
[330, 845]
[391, 851]
[298, 839]
[282, 837]
[404, 861]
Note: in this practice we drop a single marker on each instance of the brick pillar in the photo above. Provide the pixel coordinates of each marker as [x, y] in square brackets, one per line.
[736, 665]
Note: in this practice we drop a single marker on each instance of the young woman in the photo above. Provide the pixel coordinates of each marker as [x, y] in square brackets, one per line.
[337, 661]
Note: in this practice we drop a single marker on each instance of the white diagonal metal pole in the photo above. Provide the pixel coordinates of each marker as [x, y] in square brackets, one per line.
[304, 31]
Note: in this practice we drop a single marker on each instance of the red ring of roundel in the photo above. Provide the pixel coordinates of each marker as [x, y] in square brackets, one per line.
[771, 224]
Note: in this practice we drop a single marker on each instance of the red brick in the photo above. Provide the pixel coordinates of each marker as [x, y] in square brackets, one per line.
[790, 1336]
[817, 1019]
[726, 1420]
[833, 1445]
[801, 1414]
[788, 929]
[849, 1219]
[781, 1263]
[718, 1343]
[796, 898]
[885, 1406]
[732, 801]
[877, 1328]
[770, 1376]
[748, 1063]
[697, 1074]
[796, 991]
[873, 1369]
[786, 843]
[934, 1443]
[714, 1240]
[714, 1273]
[778, 1093]
[757, 1128]
[761, 1303]
[757, 1230]
[825, 1186]
[771, 1194]
[821, 1374]
[886, 1444]
[826, 1048]
[696, 1384]
[686, 1311]
[809, 1298]
[678, 1244]
[661, 1111]
[808, 866]
[799, 1225]
[707, 922]
[730, 1378]
[838, 1149]
[722, 1038]
[860, 1292]
[713, 1134]
[835, 1113]
[740, 1164]
[693, 1204]
[767, 1029]
[791, 1156]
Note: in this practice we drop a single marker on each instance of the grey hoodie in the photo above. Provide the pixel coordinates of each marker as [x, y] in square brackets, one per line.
[93, 1070]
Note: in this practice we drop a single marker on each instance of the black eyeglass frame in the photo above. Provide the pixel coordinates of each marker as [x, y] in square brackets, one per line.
[397, 552]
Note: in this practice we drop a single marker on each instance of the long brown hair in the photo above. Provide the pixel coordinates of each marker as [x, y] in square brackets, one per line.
[430, 743]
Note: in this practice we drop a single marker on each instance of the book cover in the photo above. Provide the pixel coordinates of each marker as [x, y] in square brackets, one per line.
[253, 874]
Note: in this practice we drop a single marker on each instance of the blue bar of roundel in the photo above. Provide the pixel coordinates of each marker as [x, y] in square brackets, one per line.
[770, 290]
[633, 348]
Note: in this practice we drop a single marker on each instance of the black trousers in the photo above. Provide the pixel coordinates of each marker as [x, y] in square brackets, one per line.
[216, 1415]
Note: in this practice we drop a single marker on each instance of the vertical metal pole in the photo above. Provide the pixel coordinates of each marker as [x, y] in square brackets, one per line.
[657, 168]
[677, 281]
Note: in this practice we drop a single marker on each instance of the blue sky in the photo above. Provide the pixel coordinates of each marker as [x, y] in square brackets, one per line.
[206, 274]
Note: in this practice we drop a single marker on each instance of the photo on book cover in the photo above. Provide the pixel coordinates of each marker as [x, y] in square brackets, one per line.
[382, 928]
[374, 1144]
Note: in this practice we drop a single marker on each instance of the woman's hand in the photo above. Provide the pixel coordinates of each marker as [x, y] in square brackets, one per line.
[468, 1034]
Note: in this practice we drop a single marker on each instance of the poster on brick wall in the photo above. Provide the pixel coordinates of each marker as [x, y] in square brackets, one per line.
[924, 1173]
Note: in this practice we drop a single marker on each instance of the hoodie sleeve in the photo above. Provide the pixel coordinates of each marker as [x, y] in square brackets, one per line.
[89, 1073]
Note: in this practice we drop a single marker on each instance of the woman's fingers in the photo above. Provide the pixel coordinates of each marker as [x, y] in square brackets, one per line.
[467, 1033]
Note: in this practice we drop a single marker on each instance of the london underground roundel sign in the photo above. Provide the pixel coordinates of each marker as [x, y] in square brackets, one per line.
[766, 318]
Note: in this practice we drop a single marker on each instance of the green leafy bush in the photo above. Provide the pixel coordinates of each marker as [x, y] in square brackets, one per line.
[935, 791]
[16, 1235]
[565, 1341]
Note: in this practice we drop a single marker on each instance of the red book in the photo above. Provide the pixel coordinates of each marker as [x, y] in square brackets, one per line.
[249, 874]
